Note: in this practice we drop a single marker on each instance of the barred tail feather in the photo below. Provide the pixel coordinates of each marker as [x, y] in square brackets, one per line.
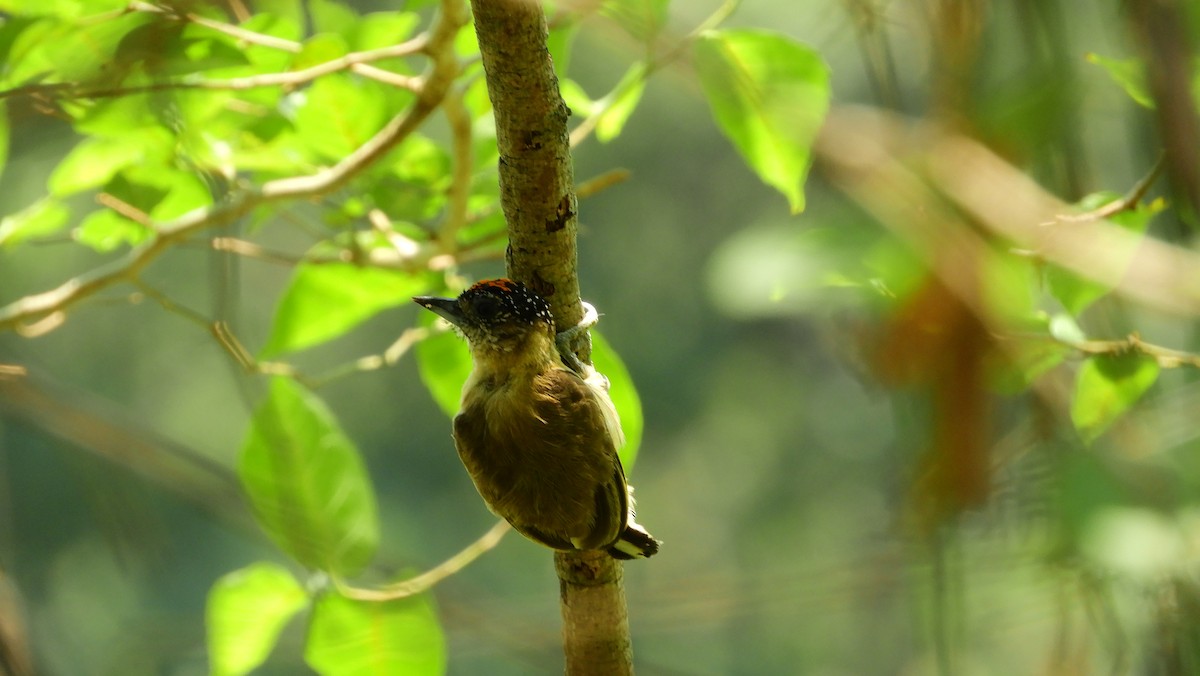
[635, 543]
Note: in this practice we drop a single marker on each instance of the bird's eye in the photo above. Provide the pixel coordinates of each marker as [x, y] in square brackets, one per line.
[487, 308]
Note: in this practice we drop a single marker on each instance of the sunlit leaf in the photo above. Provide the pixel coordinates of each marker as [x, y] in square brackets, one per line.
[105, 230]
[318, 49]
[306, 482]
[246, 611]
[95, 161]
[353, 638]
[444, 363]
[339, 113]
[324, 301]
[1106, 386]
[560, 42]
[330, 16]
[624, 396]
[77, 51]
[384, 29]
[621, 102]
[44, 217]
[769, 95]
[575, 97]
[66, 9]
[4, 132]
[1129, 74]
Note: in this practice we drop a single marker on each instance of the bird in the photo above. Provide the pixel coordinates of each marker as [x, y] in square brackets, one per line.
[537, 430]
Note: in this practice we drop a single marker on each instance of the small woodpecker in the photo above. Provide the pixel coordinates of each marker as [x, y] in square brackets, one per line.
[537, 430]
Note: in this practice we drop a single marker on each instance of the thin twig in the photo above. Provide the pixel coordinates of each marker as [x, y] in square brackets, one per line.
[424, 581]
[233, 347]
[1133, 344]
[373, 362]
[354, 61]
[602, 182]
[64, 90]
[1128, 201]
[170, 305]
[125, 209]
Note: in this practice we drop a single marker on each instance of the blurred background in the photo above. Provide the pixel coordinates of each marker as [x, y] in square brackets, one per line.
[781, 464]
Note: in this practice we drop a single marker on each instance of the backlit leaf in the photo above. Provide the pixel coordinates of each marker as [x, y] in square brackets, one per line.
[44, 217]
[246, 611]
[324, 301]
[306, 482]
[444, 363]
[624, 396]
[353, 638]
[621, 102]
[1129, 74]
[105, 230]
[1106, 386]
[769, 95]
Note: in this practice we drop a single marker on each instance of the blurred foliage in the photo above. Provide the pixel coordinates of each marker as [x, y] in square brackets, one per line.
[885, 417]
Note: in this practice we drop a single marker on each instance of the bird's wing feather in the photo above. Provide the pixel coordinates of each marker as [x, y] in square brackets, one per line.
[548, 463]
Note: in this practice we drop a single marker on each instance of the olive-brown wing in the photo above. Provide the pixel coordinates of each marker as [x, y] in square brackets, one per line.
[542, 457]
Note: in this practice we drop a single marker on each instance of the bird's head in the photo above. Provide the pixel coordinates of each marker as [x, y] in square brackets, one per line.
[495, 315]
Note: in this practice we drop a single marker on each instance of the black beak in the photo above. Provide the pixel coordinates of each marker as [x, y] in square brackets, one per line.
[446, 308]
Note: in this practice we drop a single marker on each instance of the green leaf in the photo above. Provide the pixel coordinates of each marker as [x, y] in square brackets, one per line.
[106, 230]
[91, 164]
[444, 363]
[330, 16]
[307, 483]
[1077, 293]
[1129, 74]
[1106, 386]
[769, 95]
[561, 41]
[246, 611]
[324, 301]
[384, 29]
[78, 51]
[624, 396]
[95, 161]
[349, 638]
[621, 102]
[339, 113]
[319, 49]
[44, 217]
[4, 134]
[643, 19]
[576, 98]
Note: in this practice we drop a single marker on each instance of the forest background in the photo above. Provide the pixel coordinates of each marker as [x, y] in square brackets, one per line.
[924, 417]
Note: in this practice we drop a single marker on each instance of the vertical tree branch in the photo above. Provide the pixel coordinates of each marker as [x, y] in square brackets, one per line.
[537, 195]
[536, 177]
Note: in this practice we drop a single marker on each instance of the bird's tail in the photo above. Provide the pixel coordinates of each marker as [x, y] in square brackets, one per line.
[635, 543]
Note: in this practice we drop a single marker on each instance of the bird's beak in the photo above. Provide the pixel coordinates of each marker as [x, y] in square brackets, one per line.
[446, 308]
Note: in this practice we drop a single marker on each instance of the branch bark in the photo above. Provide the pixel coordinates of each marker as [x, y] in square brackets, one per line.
[537, 195]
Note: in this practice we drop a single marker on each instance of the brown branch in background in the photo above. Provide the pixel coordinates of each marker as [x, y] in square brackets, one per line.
[28, 313]
[537, 196]
[1162, 27]
[912, 176]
